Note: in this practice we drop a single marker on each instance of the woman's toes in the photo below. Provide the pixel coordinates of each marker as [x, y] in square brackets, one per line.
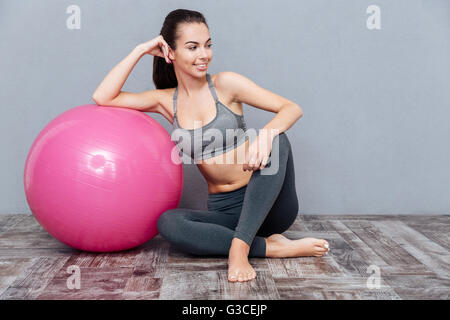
[320, 251]
[318, 243]
[323, 244]
[232, 277]
[320, 247]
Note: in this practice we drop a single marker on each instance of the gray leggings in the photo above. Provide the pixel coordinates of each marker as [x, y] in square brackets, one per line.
[268, 204]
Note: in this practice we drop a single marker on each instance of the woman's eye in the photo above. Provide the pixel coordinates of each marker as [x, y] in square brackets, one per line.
[190, 48]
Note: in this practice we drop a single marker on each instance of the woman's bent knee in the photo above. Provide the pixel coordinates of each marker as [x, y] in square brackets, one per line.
[171, 226]
[283, 141]
[166, 223]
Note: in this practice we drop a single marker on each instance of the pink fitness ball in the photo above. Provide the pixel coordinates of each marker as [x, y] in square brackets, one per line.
[97, 178]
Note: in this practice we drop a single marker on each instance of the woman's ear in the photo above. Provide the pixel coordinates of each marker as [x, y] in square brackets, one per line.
[171, 55]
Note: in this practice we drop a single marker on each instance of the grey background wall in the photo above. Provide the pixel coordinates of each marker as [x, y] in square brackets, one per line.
[374, 138]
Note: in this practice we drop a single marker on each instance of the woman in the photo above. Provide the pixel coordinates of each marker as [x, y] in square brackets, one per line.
[247, 209]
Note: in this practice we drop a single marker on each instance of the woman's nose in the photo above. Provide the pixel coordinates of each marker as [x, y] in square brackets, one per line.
[203, 53]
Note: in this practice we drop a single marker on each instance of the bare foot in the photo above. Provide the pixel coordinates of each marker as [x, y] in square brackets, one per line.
[278, 246]
[238, 267]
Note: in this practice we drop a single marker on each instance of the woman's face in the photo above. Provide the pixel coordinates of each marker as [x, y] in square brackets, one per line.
[193, 49]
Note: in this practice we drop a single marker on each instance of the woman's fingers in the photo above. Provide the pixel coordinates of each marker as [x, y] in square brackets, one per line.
[264, 162]
[161, 53]
[253, 163]
[257, 162]
[166, 54]
[166, 51]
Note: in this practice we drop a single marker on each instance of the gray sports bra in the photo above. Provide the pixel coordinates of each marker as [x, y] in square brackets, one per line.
[224, 133]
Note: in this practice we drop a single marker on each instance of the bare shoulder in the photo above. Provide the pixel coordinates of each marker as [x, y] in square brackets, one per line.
[230, 82]
[241, 89]
[224, 82]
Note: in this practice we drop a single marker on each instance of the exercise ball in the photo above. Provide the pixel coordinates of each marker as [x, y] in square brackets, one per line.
[97, 178]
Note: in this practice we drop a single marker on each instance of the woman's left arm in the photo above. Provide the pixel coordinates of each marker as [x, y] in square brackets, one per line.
[287, 113]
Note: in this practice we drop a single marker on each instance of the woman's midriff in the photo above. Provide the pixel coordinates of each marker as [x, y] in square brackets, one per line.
[225, 172]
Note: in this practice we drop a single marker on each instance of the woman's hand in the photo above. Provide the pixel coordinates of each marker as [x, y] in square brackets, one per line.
[157, 47]
[257, 156]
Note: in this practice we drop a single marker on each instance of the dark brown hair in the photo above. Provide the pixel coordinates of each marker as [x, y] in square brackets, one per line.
[163, 72]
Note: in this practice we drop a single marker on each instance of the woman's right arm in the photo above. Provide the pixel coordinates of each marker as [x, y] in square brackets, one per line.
[109, 91]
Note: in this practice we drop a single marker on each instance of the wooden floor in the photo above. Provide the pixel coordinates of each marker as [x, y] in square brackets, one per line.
[410, 252]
